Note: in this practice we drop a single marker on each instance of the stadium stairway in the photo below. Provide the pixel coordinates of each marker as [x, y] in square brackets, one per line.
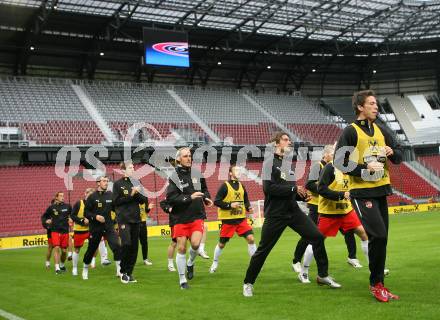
[293, 136]
[431, 162]
[193, 115]
[425, 173]
[94, 113]
[409, 182]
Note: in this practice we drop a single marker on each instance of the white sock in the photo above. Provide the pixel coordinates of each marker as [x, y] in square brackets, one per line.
[192, 256]
[308, 257]
[251, 249]
[75, 258]
[69, 254]
[103, 251]
[85, 270]
[47, 263]
[171, 262]
[93, 262]
[364, 246]
[217, 253]
[61, 265]
[181, 266]
[118, 267]
[57, 266]
[202, 247]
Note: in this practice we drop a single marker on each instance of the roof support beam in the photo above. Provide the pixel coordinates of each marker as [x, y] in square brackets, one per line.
[33, 28]
[108, 32]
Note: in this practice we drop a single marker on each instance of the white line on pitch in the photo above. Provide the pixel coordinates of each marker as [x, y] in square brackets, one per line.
[9, 316]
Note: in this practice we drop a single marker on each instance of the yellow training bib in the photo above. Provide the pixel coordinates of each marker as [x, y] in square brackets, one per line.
[340, 184]
[315, 196]
[370, 149]
[77, 227]
[233, 196]
[143, 212]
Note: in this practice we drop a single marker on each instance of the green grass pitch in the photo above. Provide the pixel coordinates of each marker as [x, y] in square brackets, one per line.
[31, 292]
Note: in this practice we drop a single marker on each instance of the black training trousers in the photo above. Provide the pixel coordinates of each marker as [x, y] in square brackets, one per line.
[129, 234]
[271, 231]
[350, 243]
[302, 242]
[143, 239]
[373, 213]
[95, 238]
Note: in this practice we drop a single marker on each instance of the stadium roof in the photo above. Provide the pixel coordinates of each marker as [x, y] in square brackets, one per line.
[342, 20]
[238, 37]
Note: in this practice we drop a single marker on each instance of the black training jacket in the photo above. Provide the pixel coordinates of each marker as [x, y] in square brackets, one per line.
[127, 206]
[280, 193]
[185, 209]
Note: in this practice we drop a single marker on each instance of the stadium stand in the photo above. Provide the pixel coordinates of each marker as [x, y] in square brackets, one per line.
[431, 162]
[47, 112]
[34, 187]
[302, 116]
[419, 127]
[340, 106]
[404, 179]
[123, 105]
[229, 114]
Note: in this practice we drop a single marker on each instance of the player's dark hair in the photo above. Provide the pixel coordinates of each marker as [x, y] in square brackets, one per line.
[359, 99]
[276, 138]
[56, 196]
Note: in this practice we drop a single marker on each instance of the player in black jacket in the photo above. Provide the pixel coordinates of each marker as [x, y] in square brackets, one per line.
[233, 203]
[188, 194]
[280, 211]
[312, 187]
[127, 195]
[80, 228]
[57, 218]
[98, 210]
[369, 181]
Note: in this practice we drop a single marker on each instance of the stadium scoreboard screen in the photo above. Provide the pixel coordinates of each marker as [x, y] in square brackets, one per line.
[166, 48]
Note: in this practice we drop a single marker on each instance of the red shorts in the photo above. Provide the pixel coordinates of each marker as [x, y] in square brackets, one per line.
[329, 226]
[60, 239]
[228, 230]
[187, 229]
[79, 238]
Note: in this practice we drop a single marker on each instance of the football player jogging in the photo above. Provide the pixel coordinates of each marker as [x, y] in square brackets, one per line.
[127, 196]
[335, 212]
[187, 193]
[233, 203]
[281, 210]
[363, 152]
[312, 187]
[98, 210]
[80, 228]
[57, 218]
